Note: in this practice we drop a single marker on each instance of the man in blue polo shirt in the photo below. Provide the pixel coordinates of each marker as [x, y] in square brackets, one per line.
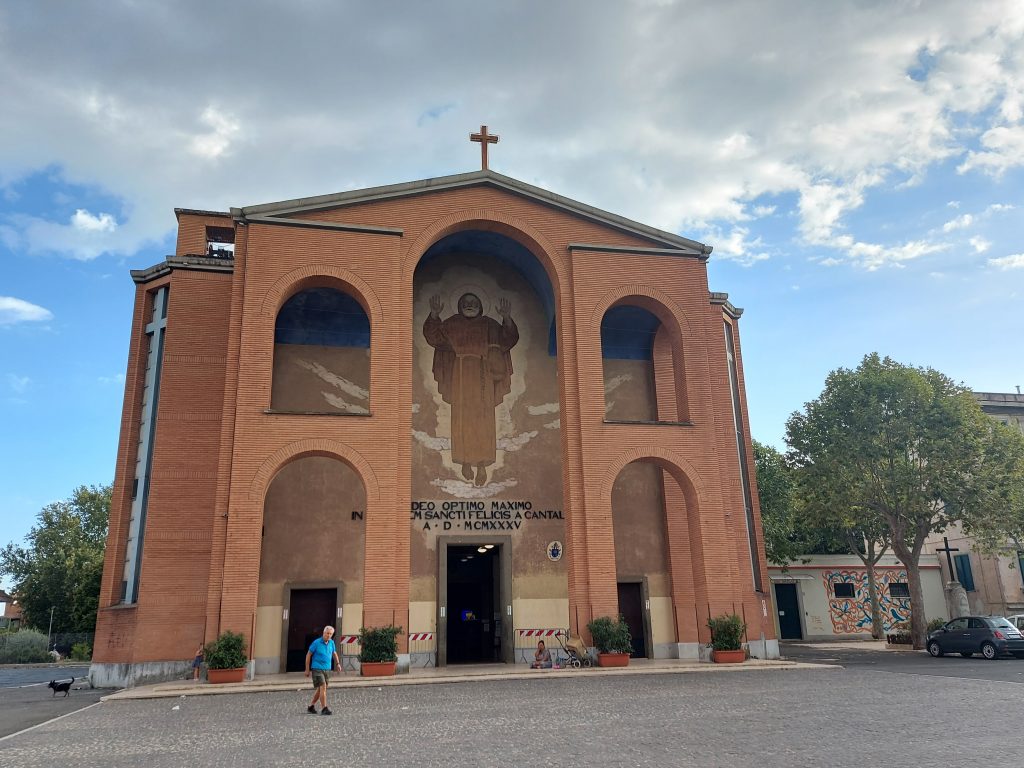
[318, 663]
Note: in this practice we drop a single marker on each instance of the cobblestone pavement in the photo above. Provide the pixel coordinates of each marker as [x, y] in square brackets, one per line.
[787, 718]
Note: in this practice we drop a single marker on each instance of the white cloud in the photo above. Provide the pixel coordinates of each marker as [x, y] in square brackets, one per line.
[736, 247]
[872, 256]
[117, 378]
[14, 310]
[960, 222]
[545, 408]
[18, 383]
[980, 244]
[1014, 261]
[1004, 149]
[822, 111]
[216, 141]
[999, 208]
[516, 442]
[86, 222]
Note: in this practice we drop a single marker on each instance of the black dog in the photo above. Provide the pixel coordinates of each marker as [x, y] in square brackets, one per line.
[66, 687]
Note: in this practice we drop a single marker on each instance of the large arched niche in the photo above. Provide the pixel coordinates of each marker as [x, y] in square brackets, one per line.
[313, 538]
[642, 364]
[321, 353]
[499, 448]
[642, 565]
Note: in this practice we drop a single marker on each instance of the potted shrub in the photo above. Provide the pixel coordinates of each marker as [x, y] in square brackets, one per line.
[612, 640]
[378, 651]
[899, 634]
[727, 639]
[225, 658]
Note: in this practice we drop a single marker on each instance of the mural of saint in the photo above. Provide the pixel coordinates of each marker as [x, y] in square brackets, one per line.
[473, 371]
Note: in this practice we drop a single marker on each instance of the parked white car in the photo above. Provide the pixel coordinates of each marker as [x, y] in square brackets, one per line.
[1017, 620]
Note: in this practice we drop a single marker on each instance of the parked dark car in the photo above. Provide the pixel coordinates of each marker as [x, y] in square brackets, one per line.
[991, 636]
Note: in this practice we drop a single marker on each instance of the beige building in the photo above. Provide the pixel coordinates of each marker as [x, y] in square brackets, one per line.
[827, 597]
[994, 585]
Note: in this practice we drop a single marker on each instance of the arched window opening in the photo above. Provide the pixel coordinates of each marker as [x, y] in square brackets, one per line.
[641, 367]
[627, 349]
[322, 354]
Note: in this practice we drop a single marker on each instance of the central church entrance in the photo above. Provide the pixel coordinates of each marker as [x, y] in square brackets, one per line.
[474, 622]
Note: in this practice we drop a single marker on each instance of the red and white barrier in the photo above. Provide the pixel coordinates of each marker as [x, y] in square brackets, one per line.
[540, 632]
[417, 636]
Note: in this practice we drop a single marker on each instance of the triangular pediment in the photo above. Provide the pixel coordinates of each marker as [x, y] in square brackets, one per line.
[293, 210]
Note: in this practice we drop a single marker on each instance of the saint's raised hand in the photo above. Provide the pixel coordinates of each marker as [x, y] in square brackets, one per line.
[504, 308]
[436, 305]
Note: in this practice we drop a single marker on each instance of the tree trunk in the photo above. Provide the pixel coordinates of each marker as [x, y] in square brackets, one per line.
[877, 630]
[910, 559]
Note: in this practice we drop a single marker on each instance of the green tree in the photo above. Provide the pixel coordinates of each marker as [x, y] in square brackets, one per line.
[61, 564]
[782, 541]
[893, 445]
[788, 535]
[998, 525]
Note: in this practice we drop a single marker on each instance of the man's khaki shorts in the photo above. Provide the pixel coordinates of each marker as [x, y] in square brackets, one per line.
[320, 677]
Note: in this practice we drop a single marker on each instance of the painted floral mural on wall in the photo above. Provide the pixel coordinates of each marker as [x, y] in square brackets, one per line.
[851, 615]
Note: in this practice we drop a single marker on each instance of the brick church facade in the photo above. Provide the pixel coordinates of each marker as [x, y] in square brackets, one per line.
[465, 406]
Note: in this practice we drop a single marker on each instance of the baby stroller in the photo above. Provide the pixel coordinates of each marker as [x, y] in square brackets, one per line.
[575, 651]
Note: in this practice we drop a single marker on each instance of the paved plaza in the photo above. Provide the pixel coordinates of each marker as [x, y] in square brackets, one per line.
[769, 717]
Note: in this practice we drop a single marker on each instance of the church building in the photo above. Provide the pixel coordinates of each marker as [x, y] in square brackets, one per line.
[464, 406]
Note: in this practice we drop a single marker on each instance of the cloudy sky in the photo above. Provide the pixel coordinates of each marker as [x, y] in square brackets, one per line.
[856, 166]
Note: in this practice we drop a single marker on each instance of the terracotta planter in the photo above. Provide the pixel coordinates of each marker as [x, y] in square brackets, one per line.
[226, 675]
[613, 659]
[377, 668]
[729, 657]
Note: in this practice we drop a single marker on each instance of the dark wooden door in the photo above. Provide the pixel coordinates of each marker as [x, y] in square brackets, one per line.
[310, 611]
[788, 606]
[631, 606]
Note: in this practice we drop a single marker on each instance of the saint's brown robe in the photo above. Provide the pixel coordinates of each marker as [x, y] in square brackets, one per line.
[473, 371]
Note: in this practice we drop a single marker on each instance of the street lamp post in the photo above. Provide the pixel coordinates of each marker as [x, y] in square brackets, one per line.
[50, 630]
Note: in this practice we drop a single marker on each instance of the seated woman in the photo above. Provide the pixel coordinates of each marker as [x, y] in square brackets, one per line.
[541, 657]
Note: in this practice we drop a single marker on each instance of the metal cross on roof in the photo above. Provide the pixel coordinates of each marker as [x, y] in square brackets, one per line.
[484, 138]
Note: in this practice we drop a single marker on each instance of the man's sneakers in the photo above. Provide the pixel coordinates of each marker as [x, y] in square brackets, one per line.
[311, 709]
[326, 711]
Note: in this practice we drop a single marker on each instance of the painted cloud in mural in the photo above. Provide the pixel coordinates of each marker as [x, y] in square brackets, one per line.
[339, 382]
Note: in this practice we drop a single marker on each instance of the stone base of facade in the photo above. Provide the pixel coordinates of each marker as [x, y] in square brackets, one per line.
[267, 665]
[422, 660]
[271, 665]
[670, 650]
[769, 649]
[141, 673]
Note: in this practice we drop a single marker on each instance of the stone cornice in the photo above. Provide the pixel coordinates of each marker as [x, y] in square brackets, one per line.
[200, 263]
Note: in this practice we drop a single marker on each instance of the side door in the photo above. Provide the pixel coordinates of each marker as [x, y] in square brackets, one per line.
[955, 639]
[977, 633]
[788, 607]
